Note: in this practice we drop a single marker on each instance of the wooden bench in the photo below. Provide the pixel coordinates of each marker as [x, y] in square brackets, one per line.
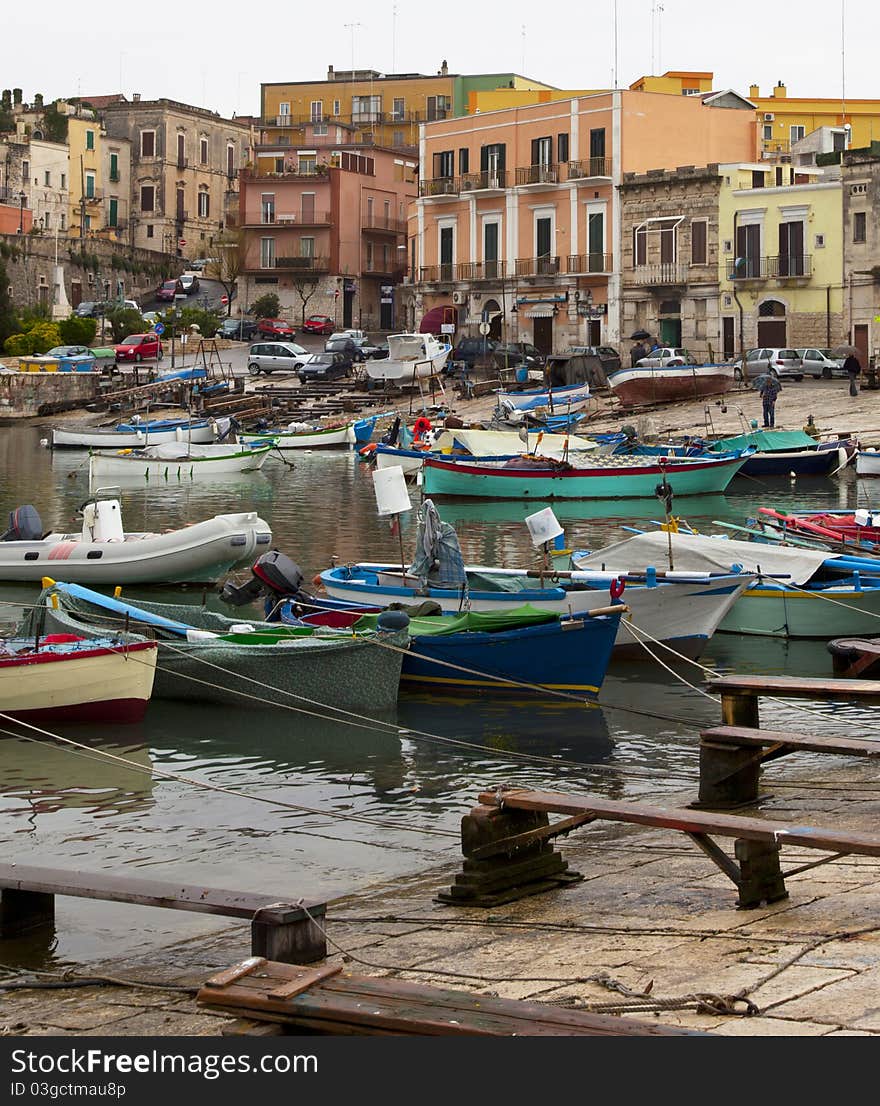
[332, 1001]
[280, 930]
[505, 842]
[731, 755]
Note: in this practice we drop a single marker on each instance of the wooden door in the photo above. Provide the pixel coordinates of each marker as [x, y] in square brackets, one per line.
[543, 338]
[728, 341]
[860, 341]
[771, 332]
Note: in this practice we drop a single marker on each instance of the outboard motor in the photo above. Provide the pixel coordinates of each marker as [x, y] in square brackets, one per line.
[24, 525]
[273, 574]
[392, 622]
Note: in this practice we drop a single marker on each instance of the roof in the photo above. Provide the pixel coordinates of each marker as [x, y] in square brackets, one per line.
[99, 102]
[723, 93]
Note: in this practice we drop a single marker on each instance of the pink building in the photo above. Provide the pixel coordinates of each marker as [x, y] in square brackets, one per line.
[324, 226]
[518, 219]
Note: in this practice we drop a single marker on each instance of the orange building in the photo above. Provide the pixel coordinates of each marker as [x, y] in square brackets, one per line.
[14, 216]
[518, 217]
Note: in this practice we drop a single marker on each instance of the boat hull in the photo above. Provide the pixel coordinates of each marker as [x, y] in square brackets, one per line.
[868, 463]
[188, 468]
[92, 685]
[120, 439]
[406, 372]
[332, 438]
[565, 398]
[625, 481]
[780, 612]
[642, 387]
[806, 462]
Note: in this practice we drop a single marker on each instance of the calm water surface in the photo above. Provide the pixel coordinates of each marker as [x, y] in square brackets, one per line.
[82, 810]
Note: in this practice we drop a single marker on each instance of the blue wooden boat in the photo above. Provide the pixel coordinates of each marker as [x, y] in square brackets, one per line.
[566, 397]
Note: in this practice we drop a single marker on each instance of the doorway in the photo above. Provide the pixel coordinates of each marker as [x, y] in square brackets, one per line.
[860, 341]
[772, 329]
[543, 334]
[493, 315]
[728, 341]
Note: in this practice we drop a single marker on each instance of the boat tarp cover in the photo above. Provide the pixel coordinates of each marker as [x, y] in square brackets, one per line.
[766, 441]
[575, 368]
[699, 553]
[486, 622]
[489, 443]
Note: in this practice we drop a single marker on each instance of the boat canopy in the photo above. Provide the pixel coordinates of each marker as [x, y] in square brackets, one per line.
[486, 622]
[766, 441]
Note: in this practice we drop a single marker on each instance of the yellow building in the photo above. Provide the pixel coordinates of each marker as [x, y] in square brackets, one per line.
[676, 82]
[85, 139]
[786, 120]
[780, 257]
[386, 109]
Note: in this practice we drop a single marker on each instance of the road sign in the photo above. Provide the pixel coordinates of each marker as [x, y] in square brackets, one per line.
[181, 242]
[159, 328]
[336, 294]
[224, 300]
[485, 328]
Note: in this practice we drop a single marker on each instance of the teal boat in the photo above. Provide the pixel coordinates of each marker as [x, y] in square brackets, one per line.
[604, 478]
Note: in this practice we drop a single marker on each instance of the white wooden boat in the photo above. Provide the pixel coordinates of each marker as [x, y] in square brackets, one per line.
[567, 398]
[868, 462]
[410, 357]
[134, 434]
[303, 436]
[178, 461]
[103, 553]
[71, 679]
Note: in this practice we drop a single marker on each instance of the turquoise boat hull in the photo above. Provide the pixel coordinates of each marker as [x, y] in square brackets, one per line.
[780, 612]
[702, 476]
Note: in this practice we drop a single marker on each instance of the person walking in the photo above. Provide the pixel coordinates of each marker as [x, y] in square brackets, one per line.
[769, 388]
[637, 353]
[852, 366]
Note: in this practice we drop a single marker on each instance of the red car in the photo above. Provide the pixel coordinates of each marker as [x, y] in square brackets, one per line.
[275, 328]
[318, 324]
[170, 290]
[139, 347]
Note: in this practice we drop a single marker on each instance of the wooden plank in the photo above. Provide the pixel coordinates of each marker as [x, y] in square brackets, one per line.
[745, 735]
[247, 1027]
[689, 821]
[529, 837]
[307, 979]
[795, 687]
[236, 972]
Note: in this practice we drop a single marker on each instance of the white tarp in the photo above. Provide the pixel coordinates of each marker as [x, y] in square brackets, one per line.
[499, 443]
[703, 554]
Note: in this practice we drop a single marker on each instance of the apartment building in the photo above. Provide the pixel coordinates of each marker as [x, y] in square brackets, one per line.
[324, 226]
[785, 120]
[518, 220]
[860, 173]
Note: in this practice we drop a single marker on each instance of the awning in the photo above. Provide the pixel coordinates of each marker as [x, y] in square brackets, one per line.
[540, 313]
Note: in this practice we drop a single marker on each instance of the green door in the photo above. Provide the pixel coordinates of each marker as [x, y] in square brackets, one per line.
[670, 332]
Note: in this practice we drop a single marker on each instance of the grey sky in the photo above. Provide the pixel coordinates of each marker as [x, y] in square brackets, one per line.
[216, 54]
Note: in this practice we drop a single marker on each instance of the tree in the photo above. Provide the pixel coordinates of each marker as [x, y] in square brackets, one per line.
[77, 331]
[229, 264]
[124, 321]
[266, 307]
[306, 284]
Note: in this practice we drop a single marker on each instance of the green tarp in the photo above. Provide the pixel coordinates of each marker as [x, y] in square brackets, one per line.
[487, 622]
[766, 441]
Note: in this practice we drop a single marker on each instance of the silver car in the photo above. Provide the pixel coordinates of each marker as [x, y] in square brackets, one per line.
[666, 355]
[821, 363]
[268, 357]
[781, 363]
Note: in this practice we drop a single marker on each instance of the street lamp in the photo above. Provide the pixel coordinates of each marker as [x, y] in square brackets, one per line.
[22, 196]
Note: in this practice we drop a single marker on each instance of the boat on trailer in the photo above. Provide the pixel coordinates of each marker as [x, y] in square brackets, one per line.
[411, 357]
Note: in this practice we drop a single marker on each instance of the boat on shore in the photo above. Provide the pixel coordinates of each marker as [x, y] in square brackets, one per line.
[135, 434]
[179, 461]
[644, 386]
[567, 397]
[868, 462]
[103, 553]
[67, 678]
[411, 357]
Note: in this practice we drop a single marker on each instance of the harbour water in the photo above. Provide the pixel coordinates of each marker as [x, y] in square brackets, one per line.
[411, 776]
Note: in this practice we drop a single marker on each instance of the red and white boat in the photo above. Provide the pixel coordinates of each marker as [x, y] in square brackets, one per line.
[66, 678]
[645, 385]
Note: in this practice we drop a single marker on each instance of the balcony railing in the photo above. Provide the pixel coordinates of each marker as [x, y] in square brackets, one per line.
[589, 167]
[589, 263]
[439, 186]
[748, 268]
[93, 197]
[438, 274]
[537, 266]
[392, 118]
[278, 121]
[283, 219]
[292, 172]
[182, 162]
[302, 264]
[384, 269]
[538, 174]
[664, 272]
[480, 270]
[383, 224]
[114, 176]
[488, 180]
[790, 266]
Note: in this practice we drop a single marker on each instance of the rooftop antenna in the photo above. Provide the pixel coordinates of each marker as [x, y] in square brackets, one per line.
[393, 38]
[653, 35]
[614, 44]
[352, 27]
[660, 11]
[843, 61]
[522, 31]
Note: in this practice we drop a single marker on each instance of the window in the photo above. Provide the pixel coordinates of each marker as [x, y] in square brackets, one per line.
[667, 245]
[203, 151]
[397, 138]
[778, 176]
[366, 109]
[267, 253]
[437, 107]
[47, 179]
[387, 213]
[87, 222]
[113, 213]
[447, 252]
[369, 257]
[307, 165]
[320, 129]
[114, 167]
[337, 108]
[444, 164]
[542, 152]
[230, 160]
[90, 140]
[562, 147]
[148, 143]
[64, 180]
[204, 203]
[63, 221]
[768, 132]
[181, 151]
[640, 246]
[25, 172]
[306, 247]
[797, 132]
[180, 212]
[698, 242]
[90, 186]
[791, 248]
[838, 140]
[316, 111]
[860, 226]
[490, 250]
[267, 207]
[463, 160]
[691, 91]
[398, 109]
[597, 142]
[596, 241]
[543, 236]
[757, 178]
[492, 163]
[47, 219]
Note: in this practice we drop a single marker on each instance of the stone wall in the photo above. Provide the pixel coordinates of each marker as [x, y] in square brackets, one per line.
[26, 395]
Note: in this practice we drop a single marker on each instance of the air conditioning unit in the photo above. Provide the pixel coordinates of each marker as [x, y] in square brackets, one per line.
[459, 297]
[769, 116]
[467, 186]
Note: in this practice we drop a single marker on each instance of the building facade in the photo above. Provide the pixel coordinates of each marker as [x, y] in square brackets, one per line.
[860, 172]
[323, 225]
[518, 220]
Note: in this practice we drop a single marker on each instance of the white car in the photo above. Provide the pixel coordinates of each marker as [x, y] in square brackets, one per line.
[268, 357]
[821, 363]
[667, 355]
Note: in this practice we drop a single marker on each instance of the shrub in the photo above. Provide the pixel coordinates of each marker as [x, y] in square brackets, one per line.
[124, 321]
[18, 345]
[44, 336]
[78, 332]
[266, 307]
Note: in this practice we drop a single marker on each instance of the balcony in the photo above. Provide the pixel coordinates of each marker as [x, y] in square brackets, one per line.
[114, 176]
[494, 180]
[537, 174]
[588, 168]
[437, 274]
[439, 186]
[283, 219]
[278, 121]
[382, 225]
[480, 270]
[93, 197]
[748, 268]
[359, 118]
[386, 270]
[292, 172]
[537, 266]
[182, 162]
[589, 263]
[790, 267]
[663, 273]
[302, 264]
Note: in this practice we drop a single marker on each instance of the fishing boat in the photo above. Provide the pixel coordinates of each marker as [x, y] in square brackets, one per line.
[781, 452]
[103, 553]
[601, 478]
[799, 593]
[208, 657]
[645, 385]
[868, 462]
[68, 678]
[299, 435]
[411, 357]
[566, 398]
[861, 526]
[179, 461]
[134, 434]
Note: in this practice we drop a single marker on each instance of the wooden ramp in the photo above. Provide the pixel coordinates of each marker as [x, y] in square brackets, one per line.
[329, 1000]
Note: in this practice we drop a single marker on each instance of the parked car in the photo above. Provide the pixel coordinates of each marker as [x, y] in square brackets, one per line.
[93, 309]
[170, 290]
[150, 317]
[275, 328]
[369, 349]
[201, 263]
[139, 347]
[472, 350]
[381, 350]
[242, 329]
[268, 357]
[781, 363]
[190, 283]
[349, 333]
[666, 355]
[608, 357]
[821, 363]
[69, 351]
[318, 324]
[509, 354]
[326, 366]
[348, 347]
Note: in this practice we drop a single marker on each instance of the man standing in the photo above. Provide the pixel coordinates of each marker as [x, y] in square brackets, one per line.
[852, 367]
[637, 353]
[769, 387]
